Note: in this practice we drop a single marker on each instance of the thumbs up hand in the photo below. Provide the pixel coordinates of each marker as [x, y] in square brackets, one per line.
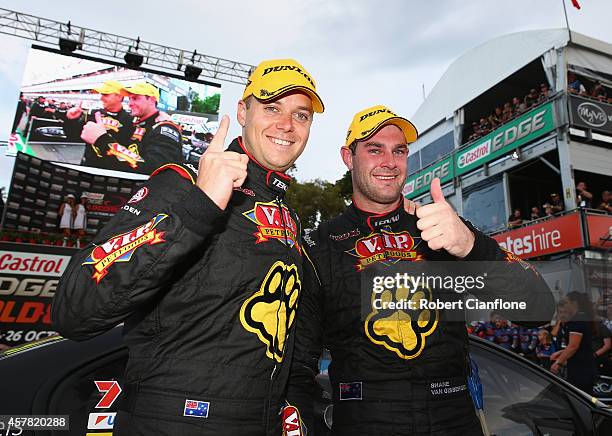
[441, 227]
[92, 131]
[219, 172]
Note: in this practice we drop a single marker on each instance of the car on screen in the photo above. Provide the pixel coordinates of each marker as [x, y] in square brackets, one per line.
[57, 376]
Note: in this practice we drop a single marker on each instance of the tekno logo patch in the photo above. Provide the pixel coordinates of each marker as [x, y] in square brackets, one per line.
[270, 312]
[385, 247]
[120, 248]
[402, 331]
[273, 223]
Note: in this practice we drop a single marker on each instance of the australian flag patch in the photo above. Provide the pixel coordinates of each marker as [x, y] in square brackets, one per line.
[198, 409]
[350, 391]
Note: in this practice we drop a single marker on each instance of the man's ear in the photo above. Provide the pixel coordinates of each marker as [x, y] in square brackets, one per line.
[241, 113]
[347, 157]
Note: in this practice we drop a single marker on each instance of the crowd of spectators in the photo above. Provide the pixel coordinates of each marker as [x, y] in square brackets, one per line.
[584, 199]
[539, 344]
[597, 91]
[41, 107]
[509, 111]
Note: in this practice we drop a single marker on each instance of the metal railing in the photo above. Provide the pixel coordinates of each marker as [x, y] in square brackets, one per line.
[114, 47]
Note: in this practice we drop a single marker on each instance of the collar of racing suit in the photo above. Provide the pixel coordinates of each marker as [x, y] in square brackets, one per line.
[373, 221]
[142, 121]
[273, 181]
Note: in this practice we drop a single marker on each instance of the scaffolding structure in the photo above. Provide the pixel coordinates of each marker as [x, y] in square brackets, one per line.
[114, 47]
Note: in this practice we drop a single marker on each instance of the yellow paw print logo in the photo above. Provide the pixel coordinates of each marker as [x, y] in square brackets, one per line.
[403, 331]
[270, 312]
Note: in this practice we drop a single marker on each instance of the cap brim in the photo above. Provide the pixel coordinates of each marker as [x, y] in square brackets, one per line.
[317, 103]
[410, 132]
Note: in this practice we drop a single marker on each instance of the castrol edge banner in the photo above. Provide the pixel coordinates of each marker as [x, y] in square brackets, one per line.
[28, 278]
[545, 237]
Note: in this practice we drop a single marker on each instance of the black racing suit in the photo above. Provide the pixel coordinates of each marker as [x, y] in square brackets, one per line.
[118, 125]
[394, 371]
[208, 298]
[149, 145]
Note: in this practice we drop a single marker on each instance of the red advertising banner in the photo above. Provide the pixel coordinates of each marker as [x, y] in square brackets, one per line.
[599, 230]
[28, 278]
[545, 237]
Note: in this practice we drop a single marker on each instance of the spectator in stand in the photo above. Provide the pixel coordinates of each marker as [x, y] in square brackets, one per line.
[535, 213]
[50, 109]
[66, 213]
[531, 99]
[497, 118]
[556, 203]
[518, 106]
[548, 210]
[578, 353]
[475, 132]
[507, 113]
[599, 92]
[543, 96]
[545, 348]
[602, 344]
[516, 219]
[574, 85]
[583, 197]
[484, 126]
[606, 202]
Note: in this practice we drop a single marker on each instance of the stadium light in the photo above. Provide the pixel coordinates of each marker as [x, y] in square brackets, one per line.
[191, 71]
[133, 58]
[68, 45]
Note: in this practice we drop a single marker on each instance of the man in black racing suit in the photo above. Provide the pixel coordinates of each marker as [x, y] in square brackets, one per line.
[149, 144]
[205, 271]
[116, 121]
[396, 370]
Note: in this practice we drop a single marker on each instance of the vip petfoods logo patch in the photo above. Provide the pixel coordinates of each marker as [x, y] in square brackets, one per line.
[273, 223]
[270, 311]
[123, 154]
[120, 248]
[385, 247]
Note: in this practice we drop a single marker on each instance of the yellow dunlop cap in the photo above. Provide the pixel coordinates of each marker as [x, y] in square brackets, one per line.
[109, 87]
[142, 88]
[271, 79]
[367, 122]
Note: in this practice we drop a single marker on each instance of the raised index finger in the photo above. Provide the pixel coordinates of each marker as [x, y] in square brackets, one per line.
[218, 142]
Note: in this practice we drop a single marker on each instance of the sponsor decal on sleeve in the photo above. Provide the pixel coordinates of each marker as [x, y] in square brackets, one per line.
[120, 248]
[292, 422]
[111, 391]
[170, 132]
[101, 421]
[140, 195]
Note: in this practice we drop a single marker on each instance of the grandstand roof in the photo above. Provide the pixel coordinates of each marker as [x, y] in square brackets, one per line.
[486, 65]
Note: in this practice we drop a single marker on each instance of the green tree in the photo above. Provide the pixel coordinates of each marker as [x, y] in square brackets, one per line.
[316, 201]
[210, 105]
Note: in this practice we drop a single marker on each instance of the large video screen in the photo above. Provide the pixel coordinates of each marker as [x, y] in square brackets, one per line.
[79, 111]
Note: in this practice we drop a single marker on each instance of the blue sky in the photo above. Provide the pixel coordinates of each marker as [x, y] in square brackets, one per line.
[361, 52]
